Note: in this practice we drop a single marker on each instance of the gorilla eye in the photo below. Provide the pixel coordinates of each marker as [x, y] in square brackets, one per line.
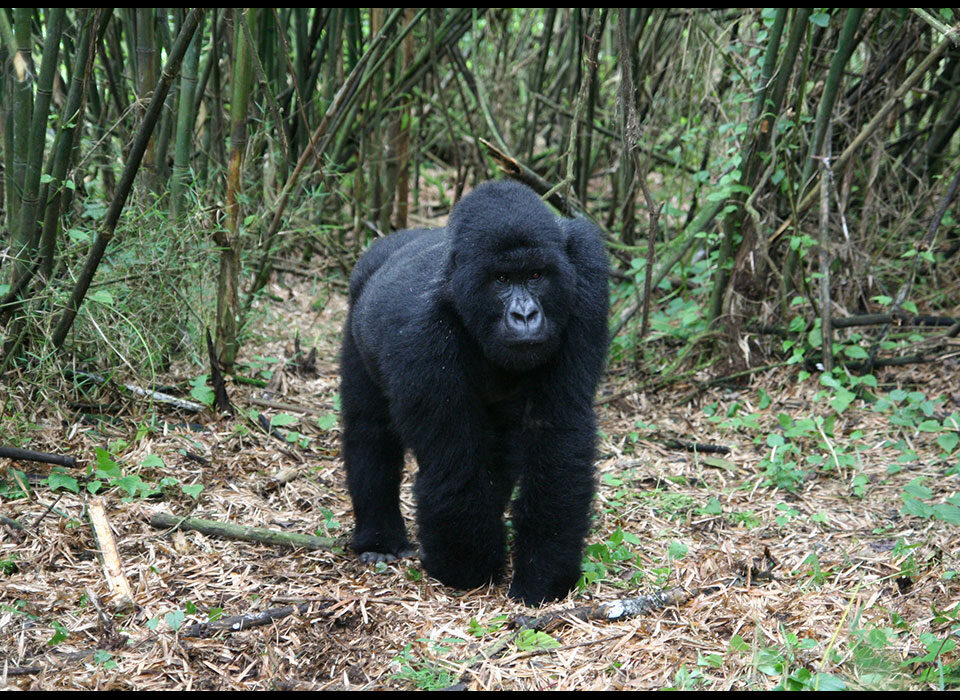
[502, 278]
[536, 274]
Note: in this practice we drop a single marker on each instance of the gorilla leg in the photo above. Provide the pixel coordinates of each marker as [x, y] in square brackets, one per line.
[374, 459]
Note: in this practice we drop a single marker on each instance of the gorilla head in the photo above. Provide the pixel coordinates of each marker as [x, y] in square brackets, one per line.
[509, 276]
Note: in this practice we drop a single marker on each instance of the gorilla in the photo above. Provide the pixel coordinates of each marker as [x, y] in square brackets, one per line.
[478, 346]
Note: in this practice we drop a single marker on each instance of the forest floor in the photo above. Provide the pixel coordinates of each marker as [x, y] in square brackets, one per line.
[833, 584]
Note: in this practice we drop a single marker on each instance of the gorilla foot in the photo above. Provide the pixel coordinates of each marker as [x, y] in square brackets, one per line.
[387, 557]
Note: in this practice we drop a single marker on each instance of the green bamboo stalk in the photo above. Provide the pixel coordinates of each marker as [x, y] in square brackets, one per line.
[345, 98]
[529, 137]
[63, 150]
[31, 185]
[769, 60]
[134, 158]
[185, 120]
[798, 30]
[227, 238]
[146, 80]
[22, 116]
[845, 46]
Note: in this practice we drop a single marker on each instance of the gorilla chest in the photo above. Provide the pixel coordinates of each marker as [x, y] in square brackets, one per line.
[508, 406]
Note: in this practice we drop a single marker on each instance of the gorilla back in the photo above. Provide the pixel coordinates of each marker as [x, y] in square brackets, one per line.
[479, 347]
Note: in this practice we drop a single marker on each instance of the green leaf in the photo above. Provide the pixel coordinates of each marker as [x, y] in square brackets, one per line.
[855, 352]
[106, 466]
[175, 619]
[282, 419]
[327, 422]
[59, 634]
[131, 484]
[102, 296]
[913, 506]
[194, 490]
[824, 681]
[917, 489]
[201, 392]
[59, 479]
[948, 441]
[152, 460]
[821, 19]
[530, 640]
[947, 513]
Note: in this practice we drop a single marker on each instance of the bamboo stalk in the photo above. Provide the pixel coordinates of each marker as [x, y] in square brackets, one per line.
[185, 121]
[110, 556]
[244, 533]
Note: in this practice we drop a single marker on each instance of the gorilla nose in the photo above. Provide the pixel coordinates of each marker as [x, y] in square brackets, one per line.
[526, 320]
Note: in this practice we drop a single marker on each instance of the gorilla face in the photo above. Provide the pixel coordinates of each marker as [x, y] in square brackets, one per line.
[510, 279]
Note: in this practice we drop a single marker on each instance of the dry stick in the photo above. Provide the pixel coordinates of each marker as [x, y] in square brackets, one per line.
[110, 556]
[236, 623]
[15, 524]
[631, 142]
[826, 330]
[245, 533]
[613, 610]
[867, 131]
[513, 168]
[158, 396]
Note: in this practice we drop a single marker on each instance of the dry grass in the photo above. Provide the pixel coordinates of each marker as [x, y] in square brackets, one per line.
[394, 628]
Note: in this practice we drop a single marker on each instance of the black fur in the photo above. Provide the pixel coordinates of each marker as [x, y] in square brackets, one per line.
[478, 346]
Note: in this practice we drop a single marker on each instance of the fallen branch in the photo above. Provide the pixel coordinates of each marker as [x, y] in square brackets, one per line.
[10, 522]
[110, 556]
[30, 455]
[513, 168]
[612, 610]
[294, 540]
[899, 318]
[702, 447]
[158, 396]
[236, 623]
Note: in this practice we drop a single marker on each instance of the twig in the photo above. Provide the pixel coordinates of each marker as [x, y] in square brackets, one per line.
[609, 611]
[703, 447]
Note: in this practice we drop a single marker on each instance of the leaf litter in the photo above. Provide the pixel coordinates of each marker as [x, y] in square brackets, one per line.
[831, 583]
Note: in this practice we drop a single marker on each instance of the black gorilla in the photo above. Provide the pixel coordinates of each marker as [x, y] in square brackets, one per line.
[479, 347]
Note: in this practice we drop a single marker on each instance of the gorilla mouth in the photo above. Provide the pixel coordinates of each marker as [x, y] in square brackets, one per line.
[525, 343]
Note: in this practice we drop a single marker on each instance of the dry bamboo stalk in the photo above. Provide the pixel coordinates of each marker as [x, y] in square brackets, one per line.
[110, 556]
